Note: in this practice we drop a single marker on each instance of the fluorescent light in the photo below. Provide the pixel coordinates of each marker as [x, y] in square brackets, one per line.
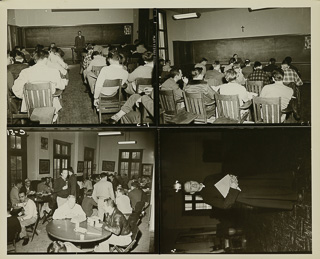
[257, 9]
[127, 142]
[109, 133]
[186, 16]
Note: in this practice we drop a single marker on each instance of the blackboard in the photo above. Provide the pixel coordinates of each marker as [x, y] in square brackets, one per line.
[100, 34]
[108, 166]
[254, 48]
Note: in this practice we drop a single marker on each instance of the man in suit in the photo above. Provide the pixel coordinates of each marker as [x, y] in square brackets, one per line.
[79, 44]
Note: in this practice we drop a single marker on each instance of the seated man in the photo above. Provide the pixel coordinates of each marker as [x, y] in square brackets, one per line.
[197, 85]
[123, 202]
[70, 210]
[202, 64]
[28, 217]
[290, 75]
[214, 76]
[247, 69]
[14, 193]
[258, 74]
[18, 65]
[136, 195]
[144, 71]
[278, 89]
[56, 61]
[13, 224]
[117, 224]
[232, 88]
[114, 71]
[171, 83]
[128, 115]
[271, 66]
[27, 189]
[98, 60]
[40, 72]
[87, 204]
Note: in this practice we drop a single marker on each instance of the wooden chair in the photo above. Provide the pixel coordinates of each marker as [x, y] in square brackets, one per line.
[96, 70]
[254, 86]
[171, 113]
[229, 110]
[33, 228]
[13, 108]
[142, 83]
[268, 110]
[195, 104]
[39, 102]
[126, 249]
[110, 104]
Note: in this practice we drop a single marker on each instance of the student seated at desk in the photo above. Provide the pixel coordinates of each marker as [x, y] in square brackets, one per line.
[88, 203]
[70, 210]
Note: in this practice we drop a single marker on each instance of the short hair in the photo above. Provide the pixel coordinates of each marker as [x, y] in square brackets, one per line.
[110, 202]
[196, 71]
[186, 186]
[95, 53]
[20, 54]
[234, 55]
[89, 192]
[22, 191]
[64, 169]
[216, 63]
[43, 179]
[55, 49]
[278, 74]
[285, 62]
[174, 72]
[288, 59]
[272, 60]
[121, 190]
[27, 180]
[147, 56]
[17, 181]
[41, 54]
[203, 59]
[230, 75]
[103, 175]
[61, 52]
[115, 55]
[257, 64]
[247, 61]
[23, 47]
[135, 184]
[79, 31]
[232, 60]
[56, 247]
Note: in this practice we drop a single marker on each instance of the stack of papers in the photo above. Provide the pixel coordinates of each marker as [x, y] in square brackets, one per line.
[224, 185]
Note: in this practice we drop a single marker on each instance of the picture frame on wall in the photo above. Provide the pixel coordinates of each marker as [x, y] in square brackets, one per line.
[44, 143]
[80, 167]
[147, 169]
[108, 166]
[44, 166]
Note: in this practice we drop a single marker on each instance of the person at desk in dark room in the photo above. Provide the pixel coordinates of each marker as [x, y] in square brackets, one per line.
[265, 191]
[79, 44]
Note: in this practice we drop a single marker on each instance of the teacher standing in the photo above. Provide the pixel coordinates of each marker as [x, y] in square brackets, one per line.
[79, 44]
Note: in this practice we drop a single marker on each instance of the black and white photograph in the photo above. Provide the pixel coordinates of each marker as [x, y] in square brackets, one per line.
[235, 191]
[234, 65]
[54, 207]
[80, 66]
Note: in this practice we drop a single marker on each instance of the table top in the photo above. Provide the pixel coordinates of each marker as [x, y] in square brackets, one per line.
[63, 229]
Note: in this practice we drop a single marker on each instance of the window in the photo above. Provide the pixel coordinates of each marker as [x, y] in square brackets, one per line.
[61, 156]
[88, 161]
[17, 158]
[194, 202]
[130, 162]
[162, 35]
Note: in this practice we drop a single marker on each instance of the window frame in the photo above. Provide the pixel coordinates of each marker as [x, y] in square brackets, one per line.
[130, 160]
[165, 32]
[60, 156]
[193, 202]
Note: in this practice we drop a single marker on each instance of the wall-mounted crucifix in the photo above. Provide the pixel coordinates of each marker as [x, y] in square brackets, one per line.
[242, 28]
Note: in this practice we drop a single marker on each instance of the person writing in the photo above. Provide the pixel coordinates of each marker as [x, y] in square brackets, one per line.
[70, 210]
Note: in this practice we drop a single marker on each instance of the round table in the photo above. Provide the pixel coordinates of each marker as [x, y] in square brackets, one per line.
[63, 229]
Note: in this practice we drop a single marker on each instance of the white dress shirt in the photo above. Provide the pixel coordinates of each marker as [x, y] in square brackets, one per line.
[65, 212]
[103, 189]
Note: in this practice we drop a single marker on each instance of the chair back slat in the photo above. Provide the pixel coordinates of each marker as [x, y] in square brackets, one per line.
[112, 83]
[267, 110]
[195, 104]
[167, 102]
[38, 95]
[254, 86]
[228, 106]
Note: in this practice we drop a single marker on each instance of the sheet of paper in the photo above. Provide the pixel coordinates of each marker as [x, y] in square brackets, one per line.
[223, 185]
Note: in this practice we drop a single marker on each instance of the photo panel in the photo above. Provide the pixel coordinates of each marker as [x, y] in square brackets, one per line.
[234, 65]
[80, 66]
[89, 191]
[235, 191]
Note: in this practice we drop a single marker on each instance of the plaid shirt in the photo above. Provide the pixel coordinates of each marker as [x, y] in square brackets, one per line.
[259, 75]
[291, 76]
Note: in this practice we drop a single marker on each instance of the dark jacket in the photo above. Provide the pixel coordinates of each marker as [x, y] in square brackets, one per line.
[58, 184]
[117, 223]
[72, 185]
[13, 227]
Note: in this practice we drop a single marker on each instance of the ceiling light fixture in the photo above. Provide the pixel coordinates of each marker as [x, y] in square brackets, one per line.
[257, 9]
[185, 16]
[127, 142]
[109, 133]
